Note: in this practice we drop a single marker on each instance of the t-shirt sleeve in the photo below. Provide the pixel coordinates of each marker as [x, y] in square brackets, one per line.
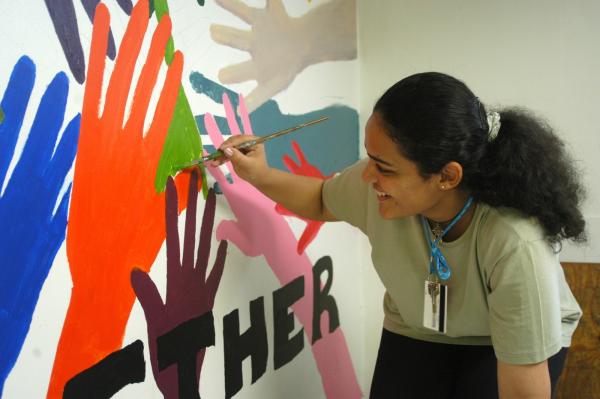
[346, 194]
[524, 304]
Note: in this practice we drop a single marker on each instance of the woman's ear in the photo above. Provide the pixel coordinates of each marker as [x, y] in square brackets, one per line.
[450, 176]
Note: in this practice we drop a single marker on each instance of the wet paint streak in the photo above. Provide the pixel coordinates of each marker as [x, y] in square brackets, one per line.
[259, 230]
[1, 115]
[32, 231]
[190, 291]
[115, 218]
[64, 19]
[183, 142]
[332, 145]
[303, 168]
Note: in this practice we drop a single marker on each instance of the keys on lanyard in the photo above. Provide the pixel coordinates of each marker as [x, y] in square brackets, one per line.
[434, 309]
[433, 286]
[436, 294]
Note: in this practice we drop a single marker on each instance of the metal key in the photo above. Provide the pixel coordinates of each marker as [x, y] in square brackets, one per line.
[433, 289]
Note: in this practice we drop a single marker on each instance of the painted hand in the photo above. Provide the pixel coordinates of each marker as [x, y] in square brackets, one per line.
[64, 19]
[281, 46]
[190, 293]
[115, 219]
[33, 224]
[252, 209]
[259, 230]
[303, 169]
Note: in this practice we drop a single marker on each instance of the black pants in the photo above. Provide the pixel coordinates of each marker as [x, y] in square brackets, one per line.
[407, 368]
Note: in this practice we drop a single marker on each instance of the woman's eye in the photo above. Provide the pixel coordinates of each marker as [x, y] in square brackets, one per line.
[382, 170]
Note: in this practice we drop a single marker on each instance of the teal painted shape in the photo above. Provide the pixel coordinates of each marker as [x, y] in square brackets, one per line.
[213, 90]
[330, 146]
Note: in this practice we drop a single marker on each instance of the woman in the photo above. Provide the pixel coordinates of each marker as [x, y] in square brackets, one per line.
[465, 211]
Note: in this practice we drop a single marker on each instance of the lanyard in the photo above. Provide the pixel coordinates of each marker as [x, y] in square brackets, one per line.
[437, 261]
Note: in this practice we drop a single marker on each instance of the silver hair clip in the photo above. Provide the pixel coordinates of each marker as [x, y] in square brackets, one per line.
[493, 120]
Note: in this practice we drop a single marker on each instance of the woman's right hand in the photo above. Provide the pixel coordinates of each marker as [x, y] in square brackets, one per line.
[249, 163]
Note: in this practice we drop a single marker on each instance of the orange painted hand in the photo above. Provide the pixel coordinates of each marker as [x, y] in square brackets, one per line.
[116, 220]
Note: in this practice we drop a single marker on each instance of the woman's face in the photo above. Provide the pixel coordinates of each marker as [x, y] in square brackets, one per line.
[399, 187]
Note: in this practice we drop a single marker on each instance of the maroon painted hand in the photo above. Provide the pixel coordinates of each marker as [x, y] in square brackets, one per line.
[190, 293]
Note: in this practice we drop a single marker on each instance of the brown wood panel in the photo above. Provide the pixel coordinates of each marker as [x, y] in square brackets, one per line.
[581, 375]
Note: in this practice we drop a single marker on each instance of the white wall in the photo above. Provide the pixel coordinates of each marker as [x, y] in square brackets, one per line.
[543, 55]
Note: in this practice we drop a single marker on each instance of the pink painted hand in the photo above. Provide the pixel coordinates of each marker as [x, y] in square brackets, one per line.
[259, 230]
[250, 204]
[304, 169]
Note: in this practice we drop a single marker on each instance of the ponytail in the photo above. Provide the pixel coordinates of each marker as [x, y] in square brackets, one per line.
[526, 167]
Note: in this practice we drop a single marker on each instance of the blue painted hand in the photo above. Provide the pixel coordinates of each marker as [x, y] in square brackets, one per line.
[33, 226]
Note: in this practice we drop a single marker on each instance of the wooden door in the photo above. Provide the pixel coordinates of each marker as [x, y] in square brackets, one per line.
[581, 375]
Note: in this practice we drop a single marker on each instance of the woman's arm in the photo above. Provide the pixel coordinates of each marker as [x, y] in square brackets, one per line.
[299, 194]
[529, 381]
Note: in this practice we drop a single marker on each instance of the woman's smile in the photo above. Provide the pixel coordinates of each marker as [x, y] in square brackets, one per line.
[381, 196]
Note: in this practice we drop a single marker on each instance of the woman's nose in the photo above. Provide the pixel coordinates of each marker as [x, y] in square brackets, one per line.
[367, 174]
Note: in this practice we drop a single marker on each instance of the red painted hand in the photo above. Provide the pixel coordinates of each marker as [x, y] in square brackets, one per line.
[304, 169]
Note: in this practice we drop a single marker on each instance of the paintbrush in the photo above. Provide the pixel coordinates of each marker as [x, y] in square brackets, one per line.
[247, 144]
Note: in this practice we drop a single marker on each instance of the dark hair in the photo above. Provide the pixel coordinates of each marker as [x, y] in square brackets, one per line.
[435, 119]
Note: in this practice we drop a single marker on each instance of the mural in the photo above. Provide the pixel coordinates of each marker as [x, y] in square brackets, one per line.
[91, 200]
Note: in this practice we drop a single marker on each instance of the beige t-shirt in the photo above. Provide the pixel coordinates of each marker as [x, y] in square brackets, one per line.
[507, 287]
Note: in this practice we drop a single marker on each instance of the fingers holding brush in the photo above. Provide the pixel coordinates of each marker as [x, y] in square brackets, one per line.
[248, 159]
[227, 148]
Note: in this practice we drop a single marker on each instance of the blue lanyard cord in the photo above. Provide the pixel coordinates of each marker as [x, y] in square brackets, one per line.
[437, 261]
